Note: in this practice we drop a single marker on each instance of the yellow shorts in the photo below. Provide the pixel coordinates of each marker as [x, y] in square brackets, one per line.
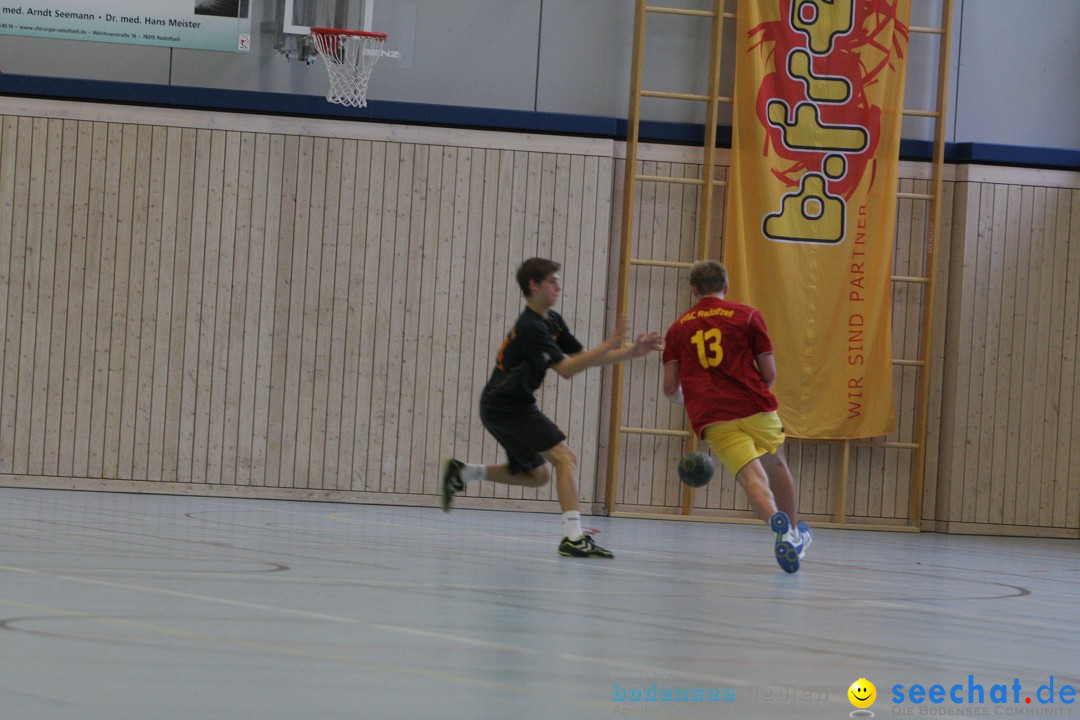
[738, 442]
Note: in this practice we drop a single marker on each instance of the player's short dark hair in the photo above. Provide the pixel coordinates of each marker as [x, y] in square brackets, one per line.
[708, 277]
[535, 270]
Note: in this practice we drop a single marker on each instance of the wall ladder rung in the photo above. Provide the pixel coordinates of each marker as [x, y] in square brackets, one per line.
[670, 179]
[678, 11]
[656, 431]
[886, 445]
[660, 263]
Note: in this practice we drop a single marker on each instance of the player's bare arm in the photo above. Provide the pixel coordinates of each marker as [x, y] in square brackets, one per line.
[612, 350]
[672, 385]
[766, 364]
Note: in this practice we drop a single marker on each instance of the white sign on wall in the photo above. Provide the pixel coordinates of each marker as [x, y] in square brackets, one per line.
[190, 24]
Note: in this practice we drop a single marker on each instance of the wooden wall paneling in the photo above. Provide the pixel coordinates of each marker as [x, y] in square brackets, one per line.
[337, 232]
[370, 397]
[942, 240]
[1072, 460]
[49, 135]
[953, 300]
[1057, 253]
[8, 325]
[441, 223]
[595, 213]
[196, 305]
[580, 421]
[251, 245]
[484, 164]
[1040, 315]
[128, 299]
[495, 284]
[86, 418]
[229, 321]
[396, 462]
[22, 264]
[1067, 310]
[663, 239]
[981, 398]
[326, 183]
[114, 256]
[999, 388]
[547, 247]
[456, 408]
[303, 309]
[62, 159]
[977, 349]
[115, 272]
[1017, 258]
[506, 297]
[647, 199]
[478, 332]
[357, 384]
[310, 226]
[149, 278]
[205, 311]
[236, 429]
[382, 417]
[1015, 510]
[273, 311]
[905, 310]
[165, 361]
[424, 243]
[281, 436]
[676, 300]
[377, 301]
[80, 153]
[974, 329]
[186, 342]
[552, 399]
[474, 360]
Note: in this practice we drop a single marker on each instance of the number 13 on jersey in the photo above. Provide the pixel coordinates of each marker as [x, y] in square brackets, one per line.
[709, 351]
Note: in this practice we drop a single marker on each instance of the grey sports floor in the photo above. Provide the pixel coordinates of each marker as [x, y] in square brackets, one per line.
[147, 607]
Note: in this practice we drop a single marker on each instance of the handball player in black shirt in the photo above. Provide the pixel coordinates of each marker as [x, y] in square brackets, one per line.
[539, 340]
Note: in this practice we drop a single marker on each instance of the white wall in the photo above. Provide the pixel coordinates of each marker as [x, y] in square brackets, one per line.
[1012, 72]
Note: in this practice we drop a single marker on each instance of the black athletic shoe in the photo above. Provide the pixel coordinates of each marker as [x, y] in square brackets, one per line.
[450, 483]
[585, 547]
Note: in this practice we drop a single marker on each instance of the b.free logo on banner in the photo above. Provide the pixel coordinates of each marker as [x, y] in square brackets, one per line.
[812, 202]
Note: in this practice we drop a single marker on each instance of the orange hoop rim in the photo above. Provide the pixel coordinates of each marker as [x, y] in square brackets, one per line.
[355, 33]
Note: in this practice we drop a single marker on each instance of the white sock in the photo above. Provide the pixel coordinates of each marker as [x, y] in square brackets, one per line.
[472, 473]
[572, 523]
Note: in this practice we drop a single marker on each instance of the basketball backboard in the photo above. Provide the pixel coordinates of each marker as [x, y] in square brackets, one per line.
[295, 18]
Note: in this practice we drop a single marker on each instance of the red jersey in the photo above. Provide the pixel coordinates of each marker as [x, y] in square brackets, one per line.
[716, 343]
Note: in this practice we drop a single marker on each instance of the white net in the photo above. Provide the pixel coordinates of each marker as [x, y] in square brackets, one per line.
[349, 58]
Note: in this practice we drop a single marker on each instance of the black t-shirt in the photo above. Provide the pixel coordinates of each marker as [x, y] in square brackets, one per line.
[532, 346]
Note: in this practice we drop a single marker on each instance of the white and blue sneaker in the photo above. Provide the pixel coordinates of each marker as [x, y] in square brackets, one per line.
[787, 555]
[806, 536]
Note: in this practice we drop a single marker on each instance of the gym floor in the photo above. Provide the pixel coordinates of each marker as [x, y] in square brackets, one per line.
[152, 607]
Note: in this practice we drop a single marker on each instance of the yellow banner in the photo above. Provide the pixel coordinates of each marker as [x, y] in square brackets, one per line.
[811, 211]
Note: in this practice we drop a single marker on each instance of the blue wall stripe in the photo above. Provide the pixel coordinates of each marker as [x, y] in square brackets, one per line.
[267, 103]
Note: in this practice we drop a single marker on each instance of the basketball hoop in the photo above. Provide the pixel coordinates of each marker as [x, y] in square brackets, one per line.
[350, 56]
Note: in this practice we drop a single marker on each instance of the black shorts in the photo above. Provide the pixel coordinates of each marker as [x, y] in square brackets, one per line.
[523, 432]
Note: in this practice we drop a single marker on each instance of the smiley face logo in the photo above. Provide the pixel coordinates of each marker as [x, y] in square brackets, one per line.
[862, 693]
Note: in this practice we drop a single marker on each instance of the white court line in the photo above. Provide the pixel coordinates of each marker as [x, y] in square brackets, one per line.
[307, 614]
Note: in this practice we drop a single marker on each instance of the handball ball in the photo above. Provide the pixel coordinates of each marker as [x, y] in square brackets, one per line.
[696, 469]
